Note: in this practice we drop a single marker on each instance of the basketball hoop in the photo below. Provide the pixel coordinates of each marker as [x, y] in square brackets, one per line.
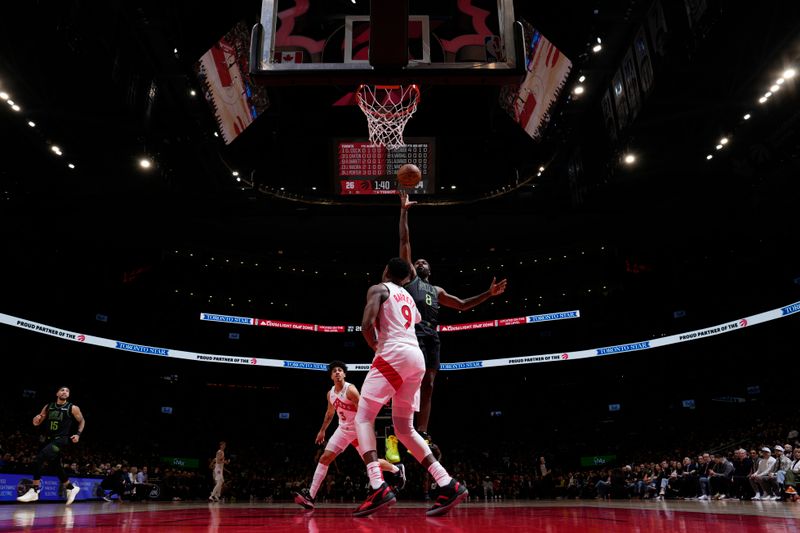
[387, 108]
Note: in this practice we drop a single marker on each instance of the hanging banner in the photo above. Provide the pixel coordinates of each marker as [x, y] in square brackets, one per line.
[620, 103]
[643, 61]
[631, 84]
[547, 71]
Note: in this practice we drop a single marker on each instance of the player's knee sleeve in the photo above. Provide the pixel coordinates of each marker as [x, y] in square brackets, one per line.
[365, 423]
[404, 428]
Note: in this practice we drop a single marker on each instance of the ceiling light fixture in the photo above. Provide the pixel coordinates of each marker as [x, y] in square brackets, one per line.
[762, 100]
[789, 73]
[723, 141]
[32, 124]
[582, 79]
[145, 163]
[709, 156]
[630, 159]
[4, 95]
[578, 90]
[596, 48]
[775, 88]
[747, 116]
[15, 107]
[719, 147]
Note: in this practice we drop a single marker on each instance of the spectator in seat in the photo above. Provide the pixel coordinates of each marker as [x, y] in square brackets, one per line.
[761, 480]
[719, 476]
[742, 468]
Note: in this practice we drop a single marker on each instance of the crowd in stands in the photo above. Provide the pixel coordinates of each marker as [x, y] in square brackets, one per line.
[767, 471]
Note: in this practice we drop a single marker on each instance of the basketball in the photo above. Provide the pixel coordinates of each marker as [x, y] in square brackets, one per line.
[408, 176]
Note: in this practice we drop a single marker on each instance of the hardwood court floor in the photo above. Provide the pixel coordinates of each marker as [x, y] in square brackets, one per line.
[545, 516]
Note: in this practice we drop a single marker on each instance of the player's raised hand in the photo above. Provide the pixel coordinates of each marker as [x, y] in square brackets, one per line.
[405, 202]
[497, 287]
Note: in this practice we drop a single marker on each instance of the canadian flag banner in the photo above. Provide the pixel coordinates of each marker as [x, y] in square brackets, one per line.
[292, 56]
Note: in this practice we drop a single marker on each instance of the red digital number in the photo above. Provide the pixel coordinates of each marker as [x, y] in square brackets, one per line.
[406, 311]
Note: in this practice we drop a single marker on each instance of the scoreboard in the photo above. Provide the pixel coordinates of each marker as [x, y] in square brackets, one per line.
[365, 168]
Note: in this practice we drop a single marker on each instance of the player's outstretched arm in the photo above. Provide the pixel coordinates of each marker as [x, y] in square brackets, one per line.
[448, 300]
[405, 241]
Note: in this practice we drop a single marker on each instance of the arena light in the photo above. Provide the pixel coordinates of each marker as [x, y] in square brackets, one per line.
[145, 163]
[723, 141]
[582, 79]
[578, 90]
[767, 94]
[775, 88]
[596, 48]
[762, 100]
[719, 147]
[779, 81]
[15, 107]
[541, 169]
[56, 150]
[789, 73]
[629, 159]
[4, 95]
[709, 157]
[32, 124]
[193, 92]
[747, 116]
[10, 101]
[234, 173]
[452, 186]
[71, 166]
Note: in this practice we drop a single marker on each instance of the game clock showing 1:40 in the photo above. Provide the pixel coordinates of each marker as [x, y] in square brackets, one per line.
[366, 169]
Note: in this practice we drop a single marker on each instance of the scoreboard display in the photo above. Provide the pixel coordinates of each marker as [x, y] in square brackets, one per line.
[365, 168]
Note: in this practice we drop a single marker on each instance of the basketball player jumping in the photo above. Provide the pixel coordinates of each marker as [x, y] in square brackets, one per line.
[58, 417]
[395, 374]
[428, 298]
[219, 472]
[343, 400]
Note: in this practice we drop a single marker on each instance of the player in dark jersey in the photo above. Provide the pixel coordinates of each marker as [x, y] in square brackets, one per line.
[58, 418]
[428, 298]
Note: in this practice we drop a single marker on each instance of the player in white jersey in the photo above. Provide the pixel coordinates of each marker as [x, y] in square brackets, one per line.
[343, 400]
[218, 463]
[395, 374]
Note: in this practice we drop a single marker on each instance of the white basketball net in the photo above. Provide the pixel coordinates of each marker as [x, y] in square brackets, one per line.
[387, 108]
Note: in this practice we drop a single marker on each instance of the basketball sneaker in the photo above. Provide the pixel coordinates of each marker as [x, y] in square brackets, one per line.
[392, 452]
[377, 498]
[31, 496]
[448, 497]
[304, 499]
[398, 479]
[71, 493]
